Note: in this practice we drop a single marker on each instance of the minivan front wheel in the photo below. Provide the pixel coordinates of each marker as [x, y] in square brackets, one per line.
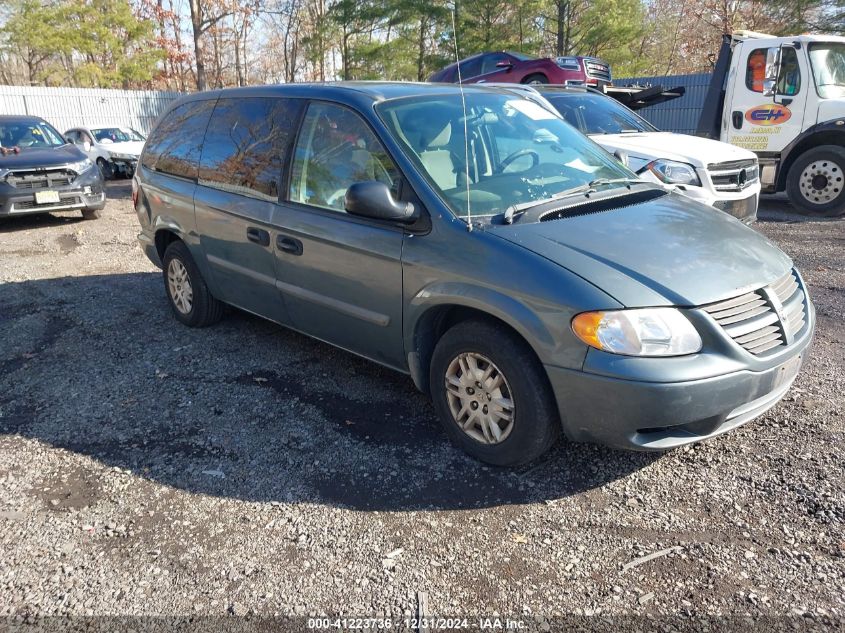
[492, 395]
[187, 293]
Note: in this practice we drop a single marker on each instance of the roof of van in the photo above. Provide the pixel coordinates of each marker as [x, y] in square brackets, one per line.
[375, 90]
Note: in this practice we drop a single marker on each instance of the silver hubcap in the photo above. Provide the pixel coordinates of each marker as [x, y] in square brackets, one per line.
[821, 181]
[180, 286]
[480, 398]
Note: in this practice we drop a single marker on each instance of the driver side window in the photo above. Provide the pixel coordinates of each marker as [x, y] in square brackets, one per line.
[336, 149]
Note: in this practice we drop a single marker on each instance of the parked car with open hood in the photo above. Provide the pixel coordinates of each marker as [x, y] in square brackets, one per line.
[715, 173]
[525, 279]
[115, 149]
[41, 172]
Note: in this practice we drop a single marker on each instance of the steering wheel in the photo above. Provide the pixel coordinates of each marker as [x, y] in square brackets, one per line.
[535, 158]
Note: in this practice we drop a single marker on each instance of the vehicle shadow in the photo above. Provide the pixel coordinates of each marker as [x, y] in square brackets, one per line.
[246, 409]
[119, 189]
[10, 224]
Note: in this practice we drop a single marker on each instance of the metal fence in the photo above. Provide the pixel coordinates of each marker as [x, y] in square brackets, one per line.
[65, 108]
[678, 115]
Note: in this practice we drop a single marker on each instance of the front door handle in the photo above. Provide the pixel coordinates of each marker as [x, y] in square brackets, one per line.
[259, 236]
[736, 119]
[289, 245]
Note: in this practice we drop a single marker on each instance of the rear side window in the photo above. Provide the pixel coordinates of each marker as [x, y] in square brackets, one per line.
[175, 145]
[247, 144]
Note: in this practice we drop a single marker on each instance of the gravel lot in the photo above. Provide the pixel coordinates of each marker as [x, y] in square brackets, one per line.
[147, 468]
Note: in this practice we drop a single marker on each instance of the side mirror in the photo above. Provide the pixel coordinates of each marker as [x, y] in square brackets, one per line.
[373, 199]
[621, 156]
[505, 64]
[86, 146]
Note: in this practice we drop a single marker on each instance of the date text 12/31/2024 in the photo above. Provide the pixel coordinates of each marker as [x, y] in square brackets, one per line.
[418, 623]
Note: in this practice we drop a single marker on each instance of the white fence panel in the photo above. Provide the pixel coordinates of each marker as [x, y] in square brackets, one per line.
[70, 107]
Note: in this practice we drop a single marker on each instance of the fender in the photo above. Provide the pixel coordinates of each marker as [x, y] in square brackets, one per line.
[191, 240]
[827, 132]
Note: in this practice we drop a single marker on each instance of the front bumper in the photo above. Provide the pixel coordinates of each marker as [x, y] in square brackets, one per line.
[655, 416]
[85, 192]
[741, 205]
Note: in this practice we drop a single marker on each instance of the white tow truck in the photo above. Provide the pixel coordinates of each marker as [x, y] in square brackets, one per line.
[784, 99]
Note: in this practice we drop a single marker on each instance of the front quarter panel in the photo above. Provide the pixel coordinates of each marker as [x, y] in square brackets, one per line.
[454, 267]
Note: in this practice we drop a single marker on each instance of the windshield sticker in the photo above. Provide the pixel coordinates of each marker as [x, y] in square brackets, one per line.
[580, 165]
[532, 110]
[768, 114]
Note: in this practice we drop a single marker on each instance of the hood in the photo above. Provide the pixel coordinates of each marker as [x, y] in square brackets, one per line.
[133, 148]
[830, 109]
[648, 146]
[31, 158]
[669, 251]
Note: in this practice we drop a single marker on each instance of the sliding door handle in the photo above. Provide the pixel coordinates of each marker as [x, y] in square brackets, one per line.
[289, 245]
[259, 236]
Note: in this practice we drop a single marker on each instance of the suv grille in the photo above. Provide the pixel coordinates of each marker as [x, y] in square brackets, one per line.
[766, 318]
[597, 69]
[40, 179]
[733, 176]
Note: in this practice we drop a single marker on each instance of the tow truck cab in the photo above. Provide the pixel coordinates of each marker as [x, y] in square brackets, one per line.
[784, 99]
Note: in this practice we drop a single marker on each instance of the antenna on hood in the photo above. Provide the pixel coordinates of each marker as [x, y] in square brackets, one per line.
[464, 108]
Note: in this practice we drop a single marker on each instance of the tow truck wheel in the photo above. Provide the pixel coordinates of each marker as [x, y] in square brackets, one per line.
[816, 181]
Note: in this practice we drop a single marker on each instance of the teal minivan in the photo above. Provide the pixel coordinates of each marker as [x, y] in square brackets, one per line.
[472, 239]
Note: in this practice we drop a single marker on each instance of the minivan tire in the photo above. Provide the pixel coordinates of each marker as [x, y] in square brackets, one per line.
[830, 162]
[204, 309]
[535, 421]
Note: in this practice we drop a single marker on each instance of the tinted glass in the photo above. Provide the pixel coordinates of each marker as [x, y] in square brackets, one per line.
[335, 149]
[488, 65]
[470, 68]
[516, 151]
[595, 114]
[26, 133]
[246, 145]
[175, 145]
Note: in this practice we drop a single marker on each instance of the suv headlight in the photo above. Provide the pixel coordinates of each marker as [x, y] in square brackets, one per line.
[568, 63]
[638, 332]
[81, 166]
[673, 173]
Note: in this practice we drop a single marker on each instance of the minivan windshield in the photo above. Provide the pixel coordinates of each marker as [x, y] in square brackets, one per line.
[597, 114]
[507, 151]
[26, 133]
[828, 62]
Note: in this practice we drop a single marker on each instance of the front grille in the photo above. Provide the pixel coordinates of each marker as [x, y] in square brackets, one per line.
[40, 179]
[735, 175]
[66, 201]
[764, 319]
[597, 69]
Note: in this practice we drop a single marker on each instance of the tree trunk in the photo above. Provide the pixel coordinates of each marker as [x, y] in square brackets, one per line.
[561, 23]
[199, 46]
[421, 53]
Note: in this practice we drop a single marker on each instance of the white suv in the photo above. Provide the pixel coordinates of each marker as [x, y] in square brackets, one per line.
[712, 172]
[115, 149]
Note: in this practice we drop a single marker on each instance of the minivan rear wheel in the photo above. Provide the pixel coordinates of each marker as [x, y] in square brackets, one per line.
[189, 297]
[492, 395]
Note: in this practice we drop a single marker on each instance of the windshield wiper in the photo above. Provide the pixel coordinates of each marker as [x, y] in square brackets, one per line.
[587, 188]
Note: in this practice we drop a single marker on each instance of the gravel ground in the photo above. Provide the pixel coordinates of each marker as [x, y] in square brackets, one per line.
[148, 469]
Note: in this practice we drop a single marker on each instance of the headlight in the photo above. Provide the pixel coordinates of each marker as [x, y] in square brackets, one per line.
[673, 173]
[4, 172]
[638, 332]
[568, 63]
[116, 156]
[81, 166]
